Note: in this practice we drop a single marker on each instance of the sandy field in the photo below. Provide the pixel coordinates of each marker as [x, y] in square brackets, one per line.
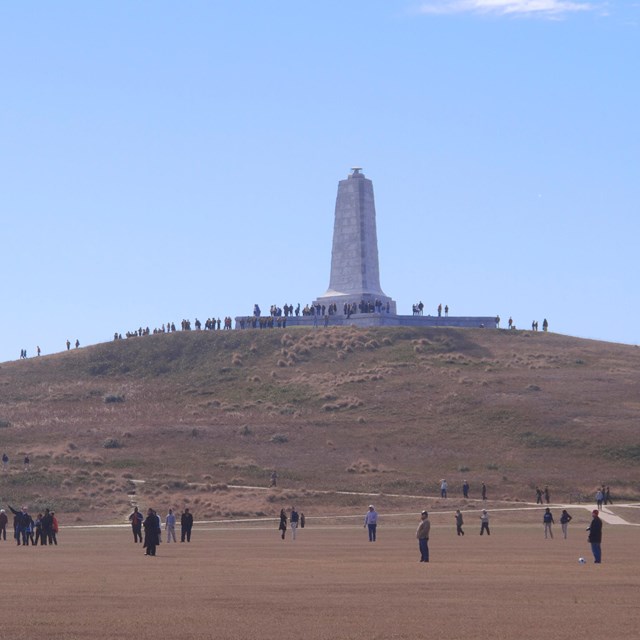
[243, 581]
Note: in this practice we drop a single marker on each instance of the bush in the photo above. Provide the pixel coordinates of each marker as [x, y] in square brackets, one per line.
[111, 443]
[4, 424]
[112, 398]
[279, 438]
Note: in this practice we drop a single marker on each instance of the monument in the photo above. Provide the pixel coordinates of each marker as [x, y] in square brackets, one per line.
[354, 296]
[355, 274]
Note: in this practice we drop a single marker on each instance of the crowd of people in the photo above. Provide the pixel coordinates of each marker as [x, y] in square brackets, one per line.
[41, 530]
[152, 526]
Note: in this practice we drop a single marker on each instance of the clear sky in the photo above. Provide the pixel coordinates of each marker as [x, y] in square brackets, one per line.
[163, 160]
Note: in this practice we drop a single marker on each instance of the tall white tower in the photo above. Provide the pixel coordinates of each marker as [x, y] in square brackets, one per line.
[355, 275]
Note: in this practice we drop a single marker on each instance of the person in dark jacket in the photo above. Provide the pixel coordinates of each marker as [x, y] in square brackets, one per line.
[21, 524]
[186, 524]
[3, 524]
[595, 536]
[46, 523]
[136, 519]
[151, 533]
[283, 522]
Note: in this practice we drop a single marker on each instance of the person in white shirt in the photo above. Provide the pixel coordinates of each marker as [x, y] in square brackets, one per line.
[170, 525]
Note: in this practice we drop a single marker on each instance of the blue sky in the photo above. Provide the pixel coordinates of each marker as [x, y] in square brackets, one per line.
[165, 160]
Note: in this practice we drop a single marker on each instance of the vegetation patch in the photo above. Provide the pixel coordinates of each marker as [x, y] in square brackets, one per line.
[631, 452]
[541, 441]
[111, 399]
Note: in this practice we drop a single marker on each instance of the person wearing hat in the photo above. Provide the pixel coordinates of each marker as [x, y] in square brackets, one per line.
[423, 536]
[595, 536]
[371, 521]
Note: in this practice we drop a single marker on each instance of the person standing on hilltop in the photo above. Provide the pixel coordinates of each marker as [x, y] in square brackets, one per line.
[595, 536]
[422, 534]
[371, 522]
[186, 524]
[539, 495]
[547, 495]
[443, 488]
[484, 491]
[465, 489]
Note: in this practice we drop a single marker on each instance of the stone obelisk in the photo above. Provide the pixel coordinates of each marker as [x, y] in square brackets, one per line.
[355, 276]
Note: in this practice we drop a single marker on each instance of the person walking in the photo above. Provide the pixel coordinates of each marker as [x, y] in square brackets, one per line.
[547, 495]
[371, 522]
[459, 523]
[484, 522]
[283, 522]
[170, 526]
[595, 536]
[547, 520]
[423, 536]
[539, 495]
[465, 489]
[443, 488]
[484, 491]
[186, 524]
[136, 519]
[293, 519]
[565, 519]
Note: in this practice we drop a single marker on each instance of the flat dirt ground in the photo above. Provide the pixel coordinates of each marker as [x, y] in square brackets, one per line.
[242, 581]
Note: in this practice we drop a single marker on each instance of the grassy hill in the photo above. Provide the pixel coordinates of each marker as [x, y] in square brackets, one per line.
[384, 410]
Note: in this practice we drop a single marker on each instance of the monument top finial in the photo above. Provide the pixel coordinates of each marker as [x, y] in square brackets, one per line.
[356, 170]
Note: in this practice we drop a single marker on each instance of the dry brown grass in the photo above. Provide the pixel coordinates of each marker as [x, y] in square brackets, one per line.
[508, 408]
[241, 581]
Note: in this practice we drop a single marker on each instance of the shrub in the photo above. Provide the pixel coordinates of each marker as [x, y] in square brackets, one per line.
[113, 398]
[111, 443]
[279, 438]
[4, 424]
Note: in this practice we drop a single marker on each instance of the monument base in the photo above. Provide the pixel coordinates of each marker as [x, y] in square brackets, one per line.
[367, 320]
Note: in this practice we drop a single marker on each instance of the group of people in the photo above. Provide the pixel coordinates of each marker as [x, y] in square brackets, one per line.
[43, 530]
[603, 497]
[540, 494]
[548, 522]
[295, 519]
[152, 525]
[5, 462]
[210, 324]
[444, 489]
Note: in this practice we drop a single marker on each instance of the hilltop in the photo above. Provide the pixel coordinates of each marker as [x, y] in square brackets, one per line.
[384, 410]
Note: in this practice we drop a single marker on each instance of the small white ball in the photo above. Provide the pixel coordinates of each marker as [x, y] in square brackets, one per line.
[582, 561]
